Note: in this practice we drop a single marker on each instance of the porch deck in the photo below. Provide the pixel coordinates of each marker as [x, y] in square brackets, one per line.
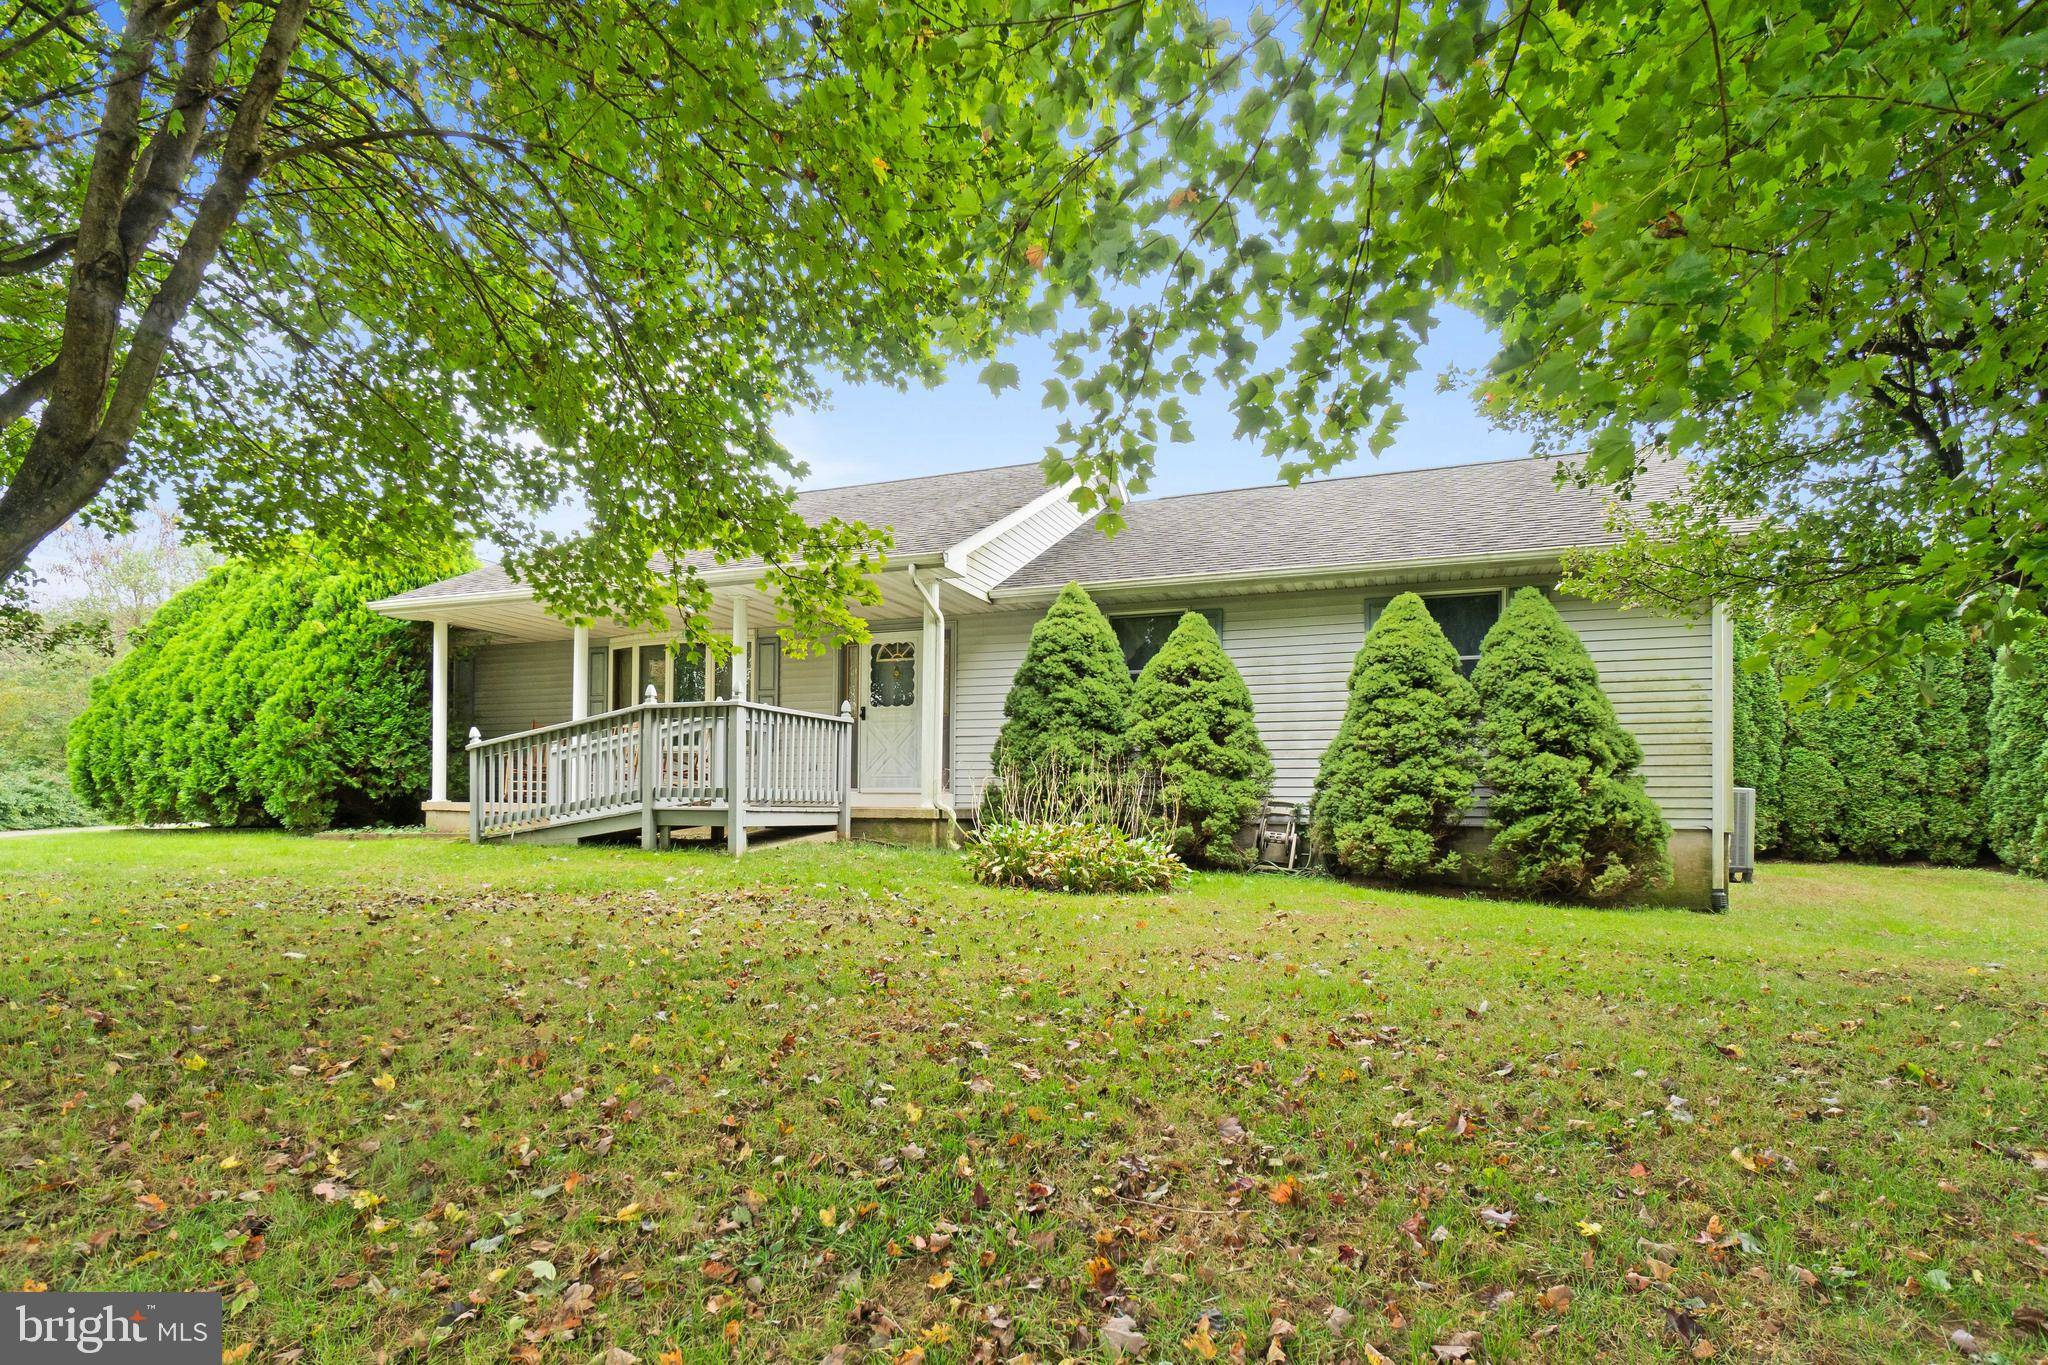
[661, 766]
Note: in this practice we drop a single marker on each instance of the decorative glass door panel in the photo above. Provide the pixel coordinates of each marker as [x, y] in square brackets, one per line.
[889, 714]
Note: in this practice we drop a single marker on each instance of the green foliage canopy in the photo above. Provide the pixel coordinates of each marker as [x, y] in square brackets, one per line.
[405, 274]
[1572, 817]
[1400, 772]
[1795, 242]
[1192, 721]
[265, 695]
[1070, 700]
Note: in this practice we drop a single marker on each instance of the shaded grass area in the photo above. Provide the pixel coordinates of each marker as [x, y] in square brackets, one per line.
[443, 1102]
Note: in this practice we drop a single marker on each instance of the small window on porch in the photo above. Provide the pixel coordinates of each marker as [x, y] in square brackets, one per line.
[1144, 636]
[1465, 618]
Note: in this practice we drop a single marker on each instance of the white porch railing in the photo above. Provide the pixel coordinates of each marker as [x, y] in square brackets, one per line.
[722, 763]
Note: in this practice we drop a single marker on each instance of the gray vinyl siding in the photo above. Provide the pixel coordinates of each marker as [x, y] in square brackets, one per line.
[812, 684]
[523, 685]
[1027, 540]
[1295, 651]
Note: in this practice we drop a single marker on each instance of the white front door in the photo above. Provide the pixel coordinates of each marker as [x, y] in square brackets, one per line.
[889, 679]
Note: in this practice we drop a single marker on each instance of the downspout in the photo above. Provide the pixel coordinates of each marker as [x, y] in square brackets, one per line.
[929, 592]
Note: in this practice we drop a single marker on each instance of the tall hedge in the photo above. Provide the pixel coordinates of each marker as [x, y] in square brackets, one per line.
[1071, 696]
[266, 695]
[1953, 733]
[1400, 772]
[1874, 744]
[1810, 816]
[1759, 731]
[2016, 784]
[1572, 816]
[1192, 722]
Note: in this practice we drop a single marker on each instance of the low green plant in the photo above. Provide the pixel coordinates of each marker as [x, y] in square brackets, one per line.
[1571, 816]
[1072, 857]
[34, 799]
[1400, 772]
[1192, 722]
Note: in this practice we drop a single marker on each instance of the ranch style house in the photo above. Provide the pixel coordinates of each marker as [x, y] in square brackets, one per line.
[582, 730]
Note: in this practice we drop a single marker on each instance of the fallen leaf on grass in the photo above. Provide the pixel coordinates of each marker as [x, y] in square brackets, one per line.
[1460, 1346]
[1556, 1299]
[1121, 1337]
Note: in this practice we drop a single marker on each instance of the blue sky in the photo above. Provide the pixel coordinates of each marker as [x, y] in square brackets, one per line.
[873, 432]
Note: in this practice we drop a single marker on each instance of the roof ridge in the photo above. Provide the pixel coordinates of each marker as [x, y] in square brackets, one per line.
[922, 478]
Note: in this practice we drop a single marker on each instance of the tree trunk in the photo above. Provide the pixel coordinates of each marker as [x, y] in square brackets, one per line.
[85, 433]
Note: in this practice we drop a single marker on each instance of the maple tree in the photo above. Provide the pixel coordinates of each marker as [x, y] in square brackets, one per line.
[407, 272]
[1793, 242]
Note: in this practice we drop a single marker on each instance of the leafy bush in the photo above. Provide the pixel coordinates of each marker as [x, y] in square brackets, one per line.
[1810, 817]
[265, 695]
[1071, 697]
[32, 799]
[1192, 722]
[1759, 732]
[2016, 785]
[1572, 817]
[1071, 857]
[1402, 767]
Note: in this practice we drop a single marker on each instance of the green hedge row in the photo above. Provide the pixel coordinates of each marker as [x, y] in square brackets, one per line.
[265, 695]
[1943, 761]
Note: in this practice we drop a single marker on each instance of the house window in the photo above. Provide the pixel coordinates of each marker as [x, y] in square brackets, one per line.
[1144, 636]
[1465, 618]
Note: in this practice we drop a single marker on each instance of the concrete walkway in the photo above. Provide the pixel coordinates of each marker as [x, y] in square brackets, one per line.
[88, 829]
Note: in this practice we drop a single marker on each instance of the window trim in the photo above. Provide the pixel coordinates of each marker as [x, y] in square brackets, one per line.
[1214, 615]
[1466, 661]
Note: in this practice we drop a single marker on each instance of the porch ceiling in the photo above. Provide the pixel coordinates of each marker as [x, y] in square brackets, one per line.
[516, 616]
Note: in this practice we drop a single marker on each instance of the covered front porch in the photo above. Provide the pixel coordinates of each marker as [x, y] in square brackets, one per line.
[591, 729]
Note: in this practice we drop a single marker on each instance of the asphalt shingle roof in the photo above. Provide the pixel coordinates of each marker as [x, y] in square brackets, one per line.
[1454, 512]
[930, 513]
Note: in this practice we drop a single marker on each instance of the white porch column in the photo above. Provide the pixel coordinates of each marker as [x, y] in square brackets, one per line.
[740, 632]
[579, 674]
[931, 697]
[437, 789]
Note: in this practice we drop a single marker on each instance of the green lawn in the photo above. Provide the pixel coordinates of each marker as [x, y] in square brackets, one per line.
[437, 1101]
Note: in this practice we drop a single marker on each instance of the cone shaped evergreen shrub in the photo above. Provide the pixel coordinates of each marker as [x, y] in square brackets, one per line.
[1071, 695]
[1192, 723]
[266, 695]
[1400, 772]
[1572, 817]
